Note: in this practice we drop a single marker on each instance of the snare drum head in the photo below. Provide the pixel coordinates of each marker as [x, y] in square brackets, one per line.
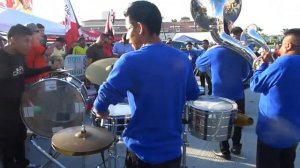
[213, 104]
[121, 109]
[51, 105]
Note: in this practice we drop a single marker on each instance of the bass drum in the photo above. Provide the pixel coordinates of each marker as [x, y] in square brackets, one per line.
[52, 104]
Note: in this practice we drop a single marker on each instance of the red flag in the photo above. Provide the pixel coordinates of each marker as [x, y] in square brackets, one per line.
[109, 25]
[72, 32]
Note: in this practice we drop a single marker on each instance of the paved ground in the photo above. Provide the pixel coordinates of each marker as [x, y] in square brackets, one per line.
[199, 153]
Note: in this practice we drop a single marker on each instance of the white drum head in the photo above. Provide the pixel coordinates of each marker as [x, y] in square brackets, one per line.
[119, 110]
[51, 105]
[214, 104]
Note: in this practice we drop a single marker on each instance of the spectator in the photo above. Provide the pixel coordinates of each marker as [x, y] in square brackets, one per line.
[122, 46]
[56, 51]
[35, 57]
[81, 48]
[43, 40]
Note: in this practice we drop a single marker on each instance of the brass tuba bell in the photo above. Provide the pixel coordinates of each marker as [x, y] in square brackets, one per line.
[251, 36]
[212, 15]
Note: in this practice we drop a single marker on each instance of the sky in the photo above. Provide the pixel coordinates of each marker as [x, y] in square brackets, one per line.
[271, 15]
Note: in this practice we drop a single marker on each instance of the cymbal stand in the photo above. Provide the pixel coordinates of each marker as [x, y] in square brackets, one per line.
[185, 143]
[113, 153]
[49, 156]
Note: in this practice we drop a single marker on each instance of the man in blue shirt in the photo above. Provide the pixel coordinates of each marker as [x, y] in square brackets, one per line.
[157, 80]
[278, 125]
[203, 75]
[228, 69]
[122, 47]
[191, 54]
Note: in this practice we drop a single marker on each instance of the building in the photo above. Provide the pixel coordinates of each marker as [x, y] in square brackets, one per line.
[168, 30]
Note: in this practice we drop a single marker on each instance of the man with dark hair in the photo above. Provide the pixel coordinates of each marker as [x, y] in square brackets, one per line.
[13, 71]
[203, 75]
[227, 73]
[236, 32]
[81, 48]
[41, 28]
[157, 80]
[278, 124]
[191, 54]
[95, 51]
[35, 57]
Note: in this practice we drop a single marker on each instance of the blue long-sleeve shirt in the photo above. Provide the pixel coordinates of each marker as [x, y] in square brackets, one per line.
[158, 80]
[228, 69]
[278, 122]
[192, 55]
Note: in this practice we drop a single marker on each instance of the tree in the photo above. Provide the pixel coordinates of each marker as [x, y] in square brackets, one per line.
[185, 19]
[174, 21]
[284, 30]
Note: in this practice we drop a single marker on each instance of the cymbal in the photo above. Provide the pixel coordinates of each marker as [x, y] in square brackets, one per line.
[73, 142]
[60, 71]
[99, 70]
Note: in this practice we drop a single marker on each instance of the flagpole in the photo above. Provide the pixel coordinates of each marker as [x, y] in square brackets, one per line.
[78, 25]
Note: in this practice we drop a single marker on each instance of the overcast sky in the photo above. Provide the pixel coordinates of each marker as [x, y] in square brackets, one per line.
[271, 15]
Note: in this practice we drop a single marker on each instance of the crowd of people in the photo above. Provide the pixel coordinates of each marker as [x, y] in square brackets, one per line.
[158, 79]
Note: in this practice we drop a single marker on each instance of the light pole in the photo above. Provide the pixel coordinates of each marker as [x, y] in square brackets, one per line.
[174, 21]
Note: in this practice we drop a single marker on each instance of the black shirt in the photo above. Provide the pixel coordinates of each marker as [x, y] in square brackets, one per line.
[95, 52]
[12, 74]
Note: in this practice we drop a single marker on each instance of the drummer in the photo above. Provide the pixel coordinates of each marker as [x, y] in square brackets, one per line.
[157, 79]
[13, 72]
[227, 71]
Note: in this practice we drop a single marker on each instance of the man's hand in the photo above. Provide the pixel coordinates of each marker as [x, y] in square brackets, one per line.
[265, 56]
[100, 115]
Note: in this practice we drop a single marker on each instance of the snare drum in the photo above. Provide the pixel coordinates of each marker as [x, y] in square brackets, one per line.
[119, 117]
[211, 118]
[52, 104]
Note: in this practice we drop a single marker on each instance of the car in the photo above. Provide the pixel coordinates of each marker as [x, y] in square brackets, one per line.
[181, 45]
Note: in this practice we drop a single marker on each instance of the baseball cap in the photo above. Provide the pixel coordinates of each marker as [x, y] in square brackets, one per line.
[32, 27]
[189, 43]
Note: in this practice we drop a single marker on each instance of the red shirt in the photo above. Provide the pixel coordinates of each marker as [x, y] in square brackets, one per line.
[35, 59]
[107, 50]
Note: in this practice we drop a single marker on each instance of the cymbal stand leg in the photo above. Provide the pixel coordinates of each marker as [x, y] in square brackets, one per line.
[184, 137]
[184, 145]
[114, 146]
[45, 153]
[83, 162]
[55, 155]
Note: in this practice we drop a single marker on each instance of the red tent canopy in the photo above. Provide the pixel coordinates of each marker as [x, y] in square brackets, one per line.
[90, 35]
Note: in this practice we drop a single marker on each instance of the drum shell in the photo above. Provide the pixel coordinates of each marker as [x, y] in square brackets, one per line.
[211, 125]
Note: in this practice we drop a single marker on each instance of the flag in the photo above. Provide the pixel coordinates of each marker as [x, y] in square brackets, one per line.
[109, 25]
[71, 26]
[113, 15]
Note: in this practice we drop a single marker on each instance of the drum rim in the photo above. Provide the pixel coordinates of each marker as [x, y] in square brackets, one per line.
[234, 104]
[48, 79]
